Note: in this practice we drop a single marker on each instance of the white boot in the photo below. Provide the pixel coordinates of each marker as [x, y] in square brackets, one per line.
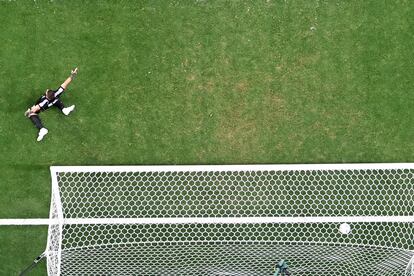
[68, 110]
[42, 132]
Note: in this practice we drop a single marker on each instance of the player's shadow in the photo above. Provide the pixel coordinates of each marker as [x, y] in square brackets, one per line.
[32, 97]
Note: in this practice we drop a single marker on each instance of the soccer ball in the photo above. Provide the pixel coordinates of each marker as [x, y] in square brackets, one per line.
[345, 228]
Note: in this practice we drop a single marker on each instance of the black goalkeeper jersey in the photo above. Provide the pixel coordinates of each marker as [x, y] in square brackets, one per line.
[45, 103]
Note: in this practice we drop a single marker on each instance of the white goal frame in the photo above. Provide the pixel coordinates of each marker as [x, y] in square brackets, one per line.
[61, 220]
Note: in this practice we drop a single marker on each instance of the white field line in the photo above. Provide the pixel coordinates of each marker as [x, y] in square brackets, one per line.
[36, 221]
[225, 168]
[214, 220]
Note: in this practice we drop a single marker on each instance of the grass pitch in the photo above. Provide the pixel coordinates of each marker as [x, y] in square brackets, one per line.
[198, 82]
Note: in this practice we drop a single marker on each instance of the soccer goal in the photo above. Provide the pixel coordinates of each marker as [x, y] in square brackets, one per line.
[232, 220]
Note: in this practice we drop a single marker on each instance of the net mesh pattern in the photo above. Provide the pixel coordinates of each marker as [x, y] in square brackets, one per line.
[54, 239]
[236, 249]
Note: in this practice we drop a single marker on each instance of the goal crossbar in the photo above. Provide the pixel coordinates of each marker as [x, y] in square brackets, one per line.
[230, 168]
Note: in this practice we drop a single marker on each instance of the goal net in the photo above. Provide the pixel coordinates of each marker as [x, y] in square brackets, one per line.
[232, 220]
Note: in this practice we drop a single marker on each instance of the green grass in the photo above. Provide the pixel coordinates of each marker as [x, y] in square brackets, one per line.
[200, 82]
[19, 246]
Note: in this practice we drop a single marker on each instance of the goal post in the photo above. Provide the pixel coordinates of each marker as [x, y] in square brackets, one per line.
[231, 220]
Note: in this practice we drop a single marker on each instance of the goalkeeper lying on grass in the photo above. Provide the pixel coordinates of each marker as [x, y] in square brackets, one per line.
[49, 99]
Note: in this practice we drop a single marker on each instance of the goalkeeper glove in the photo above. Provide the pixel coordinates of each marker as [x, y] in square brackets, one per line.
[27, 113]
[73, 73]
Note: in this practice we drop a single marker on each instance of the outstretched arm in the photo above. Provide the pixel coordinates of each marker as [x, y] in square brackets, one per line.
[73, 74]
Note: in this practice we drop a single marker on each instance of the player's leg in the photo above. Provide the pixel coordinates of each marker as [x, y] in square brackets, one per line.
[38, 124]
[36, 121]
[65, 110]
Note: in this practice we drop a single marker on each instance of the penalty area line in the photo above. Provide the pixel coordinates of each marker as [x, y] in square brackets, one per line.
[36, 221]
[214, 220]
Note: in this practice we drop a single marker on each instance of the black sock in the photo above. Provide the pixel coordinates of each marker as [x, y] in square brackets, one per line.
[59, 104]
[36, 121]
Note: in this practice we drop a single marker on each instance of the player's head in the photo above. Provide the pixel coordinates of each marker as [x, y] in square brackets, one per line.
[50, 94]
